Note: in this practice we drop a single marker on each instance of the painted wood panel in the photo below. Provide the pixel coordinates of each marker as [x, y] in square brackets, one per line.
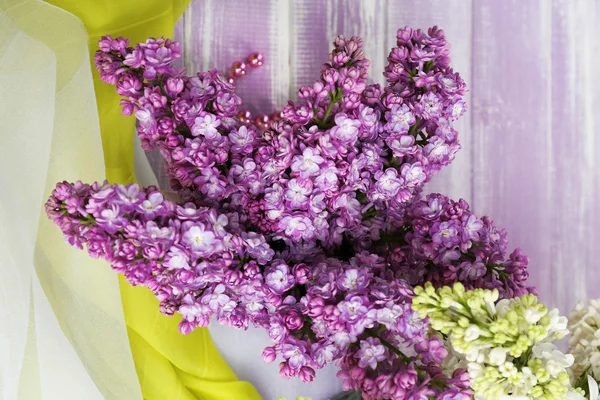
[512, 153]
[534, 168]
[575, 151]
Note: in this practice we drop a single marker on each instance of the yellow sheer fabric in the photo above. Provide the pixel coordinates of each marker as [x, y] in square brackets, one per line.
[168, 364]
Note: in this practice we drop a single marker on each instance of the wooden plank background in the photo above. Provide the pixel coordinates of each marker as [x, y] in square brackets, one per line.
[529, 153]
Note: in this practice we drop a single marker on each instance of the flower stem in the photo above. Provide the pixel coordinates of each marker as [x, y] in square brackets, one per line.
[414, 130]
[335, 98]
[524, 359]
[428, 66]
[324, 121]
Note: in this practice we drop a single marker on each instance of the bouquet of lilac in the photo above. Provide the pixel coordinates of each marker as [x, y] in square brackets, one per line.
[346, 150]
[312, 225]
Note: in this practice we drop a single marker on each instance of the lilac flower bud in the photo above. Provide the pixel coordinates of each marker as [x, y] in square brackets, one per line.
[185, 327]
[129, 85]
[418, 36]
[62, 191]
[166, 125]
[274, 299]
[105, 43]
[135, 59]
[404, 35]
[321, 92]
[436, 33]
[368, 385]
[306, 93]
[392, 99]
[167, 307]
[352, 46]
[293, 320]
[154, 96]
[340, 41]
[425, 79]
[385, 385]
[109, 67]
[406, 379]
[315, 307]
[460, 378]
[372, 93]
[340, 58]
[285, 370]
[398, 55]
[302, 273]
[306, 374]
[128, 107]
[331, 76]
[351, 101]
[226, 103]
[418, 55]
[174, 86]
[393, 72]
[221, 155]
[269, 354]
[180, 108]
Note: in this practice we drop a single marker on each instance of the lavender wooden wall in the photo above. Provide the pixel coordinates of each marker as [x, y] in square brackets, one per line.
[530, 153]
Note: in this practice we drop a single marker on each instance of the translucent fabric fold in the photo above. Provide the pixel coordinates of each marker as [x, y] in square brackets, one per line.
[62, 329]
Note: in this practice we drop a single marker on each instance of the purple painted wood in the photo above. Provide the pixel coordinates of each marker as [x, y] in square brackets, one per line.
[511, 103]
[575, 127]
[535, 150]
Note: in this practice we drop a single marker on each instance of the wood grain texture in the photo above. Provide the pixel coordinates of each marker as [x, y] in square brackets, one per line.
[576, 149]
[530, 147]
[535, 152]
[511, 113]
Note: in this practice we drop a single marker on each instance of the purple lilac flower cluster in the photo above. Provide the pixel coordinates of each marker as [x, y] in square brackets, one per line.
[358, 316]
[204, 265]
[365, 149]
[344, 152]
[441, 241]
[312, 227]
[197, 262]
[190, 119]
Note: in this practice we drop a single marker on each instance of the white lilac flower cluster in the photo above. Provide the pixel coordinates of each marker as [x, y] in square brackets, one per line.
[584, 343]
[507, 343]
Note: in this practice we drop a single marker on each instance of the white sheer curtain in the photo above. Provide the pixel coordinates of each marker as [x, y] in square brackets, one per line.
[62, 331]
